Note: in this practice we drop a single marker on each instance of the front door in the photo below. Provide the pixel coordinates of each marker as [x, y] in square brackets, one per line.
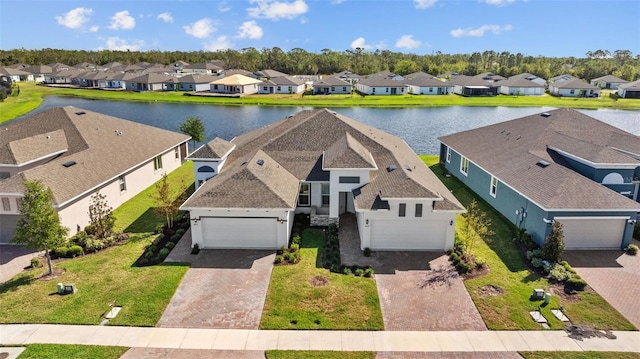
[343, 202]
[393, 90]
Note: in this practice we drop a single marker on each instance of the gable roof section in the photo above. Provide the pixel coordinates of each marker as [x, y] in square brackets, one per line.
[30, 149]
[630, 86]
[511, 150]
[236, 80]
[214, 149]
[103, 147]
[330, 81]
[427, 82]
[286, 81]
[610, 79]
[297, 143]
[270, 73]
[518, 82]
[574, 84]
[347, 152]
[196, 79]
[153, 78]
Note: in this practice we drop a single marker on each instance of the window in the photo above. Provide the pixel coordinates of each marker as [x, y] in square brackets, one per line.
[176, 152]
[572, 91]
[325, 194]
[304, 197]
[290, 89]
[6, 205]
[278, 88]
[494, 186]
[402, 210]
[266, 88]
[123, 183]
[344, 89]
[418, 209]
[464, 166]
[157, 163]
[215, 87]
[448, 154]
[349, 179]
[374, 90]
[387, 89]
[430, 89]
[333, 89]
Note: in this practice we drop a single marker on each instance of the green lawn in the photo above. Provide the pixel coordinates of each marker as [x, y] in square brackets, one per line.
[31, 96]
[310, 354]
[346, 302]
[104, 278]
[40, 351]
[509, 311]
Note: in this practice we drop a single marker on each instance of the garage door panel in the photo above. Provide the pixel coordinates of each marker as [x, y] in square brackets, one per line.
[408, 235]
[224, 232]
[8, 224]
[592, 233]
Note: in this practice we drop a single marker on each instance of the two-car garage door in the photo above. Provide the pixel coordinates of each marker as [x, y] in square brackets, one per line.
[231, 232]
[592, 233]
[408, 235]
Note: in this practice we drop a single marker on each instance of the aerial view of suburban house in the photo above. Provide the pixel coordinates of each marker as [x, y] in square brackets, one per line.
[204, 68]
[629, 90]
[569, 86]
[149, 82]
[190, 83]
[16, 75]
[522, 85]
[235, 85]
[427, 85]
[474, 85]
[348, 76]
[269, 74]
[331, 85]
[325, 165]
[381, 86]
[76, 153]
[608, 82]
[282, 85]
[559, 165]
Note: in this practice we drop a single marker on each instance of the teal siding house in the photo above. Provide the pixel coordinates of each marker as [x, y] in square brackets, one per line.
[560, 165]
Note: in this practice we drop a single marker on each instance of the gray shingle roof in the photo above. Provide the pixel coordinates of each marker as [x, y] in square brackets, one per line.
[102, 146]
[381, 82]
[214, 149]
[330, 81]
[346, 152]
[610, 78]
[427, 82]
[286, 81]
[518, 82]
[510, 151]
[633, 86]
[36, 147]
[297, 144]
[574, 84]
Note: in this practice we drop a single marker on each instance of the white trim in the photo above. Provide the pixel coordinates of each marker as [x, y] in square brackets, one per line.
[626, 166]
[448, 155]
[210, 159]
[52, 154]
[493, 190]
[585, 218]
[464, 159]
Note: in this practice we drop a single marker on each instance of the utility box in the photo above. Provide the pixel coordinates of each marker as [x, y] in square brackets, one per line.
[67, 289]
[60, 288]
[538, 294]
[547, 298]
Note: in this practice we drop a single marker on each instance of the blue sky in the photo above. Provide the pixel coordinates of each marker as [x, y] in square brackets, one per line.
[532, 27]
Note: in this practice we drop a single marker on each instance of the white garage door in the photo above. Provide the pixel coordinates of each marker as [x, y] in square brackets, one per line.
[592, 233]
[408, 235]
[225, 232]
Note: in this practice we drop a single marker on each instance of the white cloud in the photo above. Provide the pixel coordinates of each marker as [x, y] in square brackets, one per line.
[200, 29]
[424, 4]
[407, 42]
[166, 17]
[223, 6]
[118, 44]
[75, 18]
[495, 29]
[94, 28]
[498, 2]
[220, 43]
[336, 2]
[122, 20]
[250, 30]
[361, 43]
[275, 10]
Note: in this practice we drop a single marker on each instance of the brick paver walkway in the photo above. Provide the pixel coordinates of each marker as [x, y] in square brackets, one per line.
[222, 289]
[13, 260]
[614, 275]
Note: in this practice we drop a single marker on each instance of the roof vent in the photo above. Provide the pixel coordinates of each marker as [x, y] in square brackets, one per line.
[69, 164]
[391, 168]
[408, 168]
[260, 162]
[545, 114]
[80, 113]
[543, 163]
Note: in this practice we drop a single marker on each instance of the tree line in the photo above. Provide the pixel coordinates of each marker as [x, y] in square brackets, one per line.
[620, 63]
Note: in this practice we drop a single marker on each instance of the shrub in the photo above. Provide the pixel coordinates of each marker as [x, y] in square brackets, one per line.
[90, 230]
[158, 239]
[159, 228]
[75, 251]
[296, 239]
[359, 272]
[279, 259]
[558, 272]
[175, 238]
[169, 245]
[35, 262]
[180, 232]
[294, 247]
[195, 249]
[480, 263]
[280, 250]
[455, 258]
[368, 272]
[576, 282]
[537, 262]
[345, 270]
[333, 228]
[60, 252]
[294, 257]
[535, 253]
[163, 254]
[554, 243]
[288, 256]
[367, 252]
[632, 249]
[568, 267]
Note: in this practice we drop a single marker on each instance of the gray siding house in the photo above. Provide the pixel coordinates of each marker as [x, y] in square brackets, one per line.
[557, 166]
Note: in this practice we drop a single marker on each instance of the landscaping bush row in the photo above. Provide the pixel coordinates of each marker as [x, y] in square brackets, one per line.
[331, 250]
[84, 243]
[289, 255]
[162, 245]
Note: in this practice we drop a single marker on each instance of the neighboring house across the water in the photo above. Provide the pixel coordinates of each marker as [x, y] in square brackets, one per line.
[17, 75]
[282, 85]
[348, 76]
[190, 83]
[573, 88]
[629, 90]
[381, 86]
[39, 72]
[231, 72]
[608, 82]
[425, 85]
[522, 85]
[473, 86]
[557, 166]
[204, 68]
[235, 84]
[149, 82]
[325, 165]
[269, 74]
[331, 85]
[76, 152]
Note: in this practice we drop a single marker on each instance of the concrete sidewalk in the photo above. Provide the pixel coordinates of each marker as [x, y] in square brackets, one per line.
[240, 339]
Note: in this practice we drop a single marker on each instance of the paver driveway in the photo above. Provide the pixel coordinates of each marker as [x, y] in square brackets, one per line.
[417, 290]
[13, 260]
[614, 275]
[222, 289]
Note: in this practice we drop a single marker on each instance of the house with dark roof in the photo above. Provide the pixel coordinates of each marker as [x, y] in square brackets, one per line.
[473, 86]
[190, 82]
[425, 85]
[381, 86]
[522, 85]
[149, 82]
[282, 85]
[204, 68]
[629, 90]
[560, 166]
[75, 153]
[573, 88]
[269, 74]
[331, 85]
[608, 82]
[16, 75]
[348, 76]
[325, 165]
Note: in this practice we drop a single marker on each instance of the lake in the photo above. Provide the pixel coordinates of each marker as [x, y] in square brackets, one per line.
[419, 127]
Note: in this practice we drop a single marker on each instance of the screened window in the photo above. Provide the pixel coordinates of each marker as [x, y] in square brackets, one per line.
[325, 194]
[402, 210]
[418, 209]
[304, 197]
[464, 166]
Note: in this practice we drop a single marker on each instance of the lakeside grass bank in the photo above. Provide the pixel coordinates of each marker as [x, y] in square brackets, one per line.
[31, 96]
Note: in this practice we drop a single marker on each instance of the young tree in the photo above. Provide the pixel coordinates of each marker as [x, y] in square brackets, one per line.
[194, 127]
[101, 216]
[475, 227]
[168, 199]
[39, 228]
[554, 244]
